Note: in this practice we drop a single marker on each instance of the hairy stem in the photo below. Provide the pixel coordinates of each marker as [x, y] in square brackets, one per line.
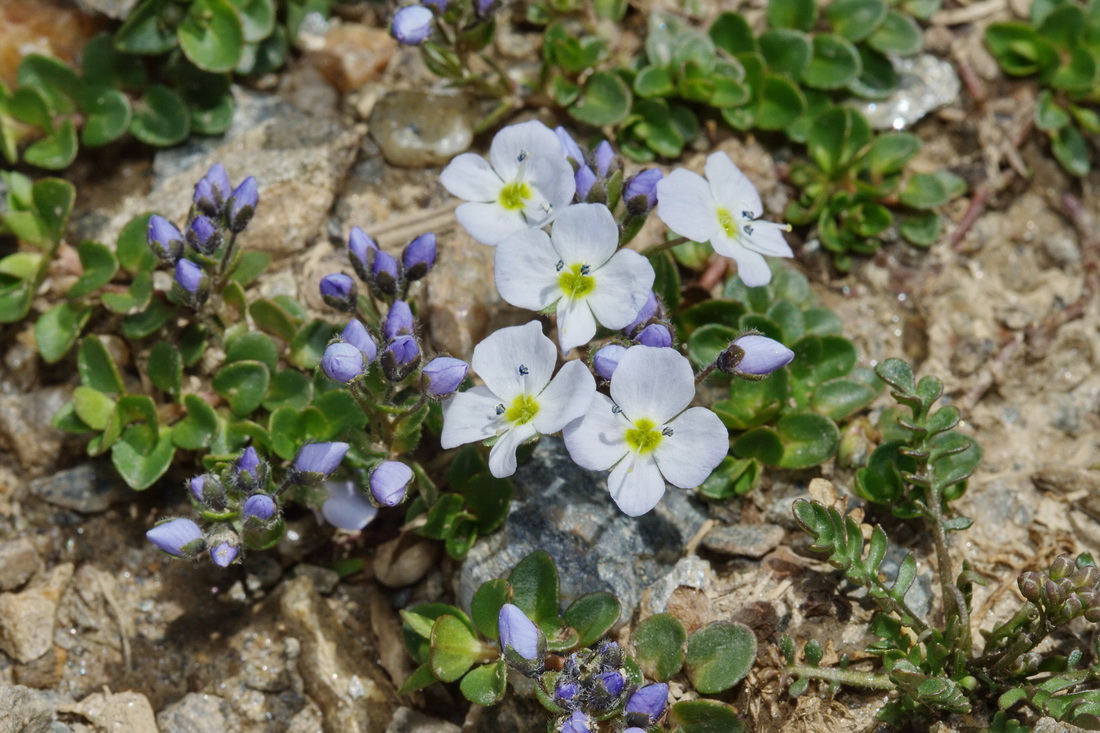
[845, 676]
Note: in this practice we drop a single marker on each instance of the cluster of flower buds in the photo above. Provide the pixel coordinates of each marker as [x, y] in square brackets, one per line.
[381, 271]
[1067, 590]
[240, 506]
[413, 24]
[218, 214]
[649, 328]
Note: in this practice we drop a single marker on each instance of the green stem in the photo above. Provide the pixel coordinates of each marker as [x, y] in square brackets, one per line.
[665, 246]
[844, 676]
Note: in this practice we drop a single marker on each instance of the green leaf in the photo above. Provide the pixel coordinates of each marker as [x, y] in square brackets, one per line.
[289, 388]
[926, 191]
[839, 399]
[705, 716]
[257, 18]
[534, 582]
[197, 429]
[249, 267]
[899, 34]
[96, 367]
[99, 265]
[707, 342]
[441, 517]
[208, 98]
[342, 412]
[104, 66]
[731, 33]
[753, 403]
[821, 358]
[211, 35]
[786, 51]
[308, 344]
[55, 151]
[922, 229]
[719, 656]
[242, 384]
[839, 135]
[1019, 49]
[605, 100]
[798, 14]
[667, 281]
[488, 499]
[485, 606]
[255, 346]
[1071, 151]
[654, 81]
[485, 685]
[93, 407]
[592, 616]
[58, 328]
[133, 246]
[732, 477]
[659, 646]
[149, 321]
[835, 63]
[146, 30]
[58, 83]
[418, 680]
[30, 105]
[856, 19]
[890, 152]
[141, 457]
[878, 79]
[107, 115]
[160, 117]
[165, 368]
[273, 318]
[1049, 115]
[715, 310]
[781, 103]
[454, 648]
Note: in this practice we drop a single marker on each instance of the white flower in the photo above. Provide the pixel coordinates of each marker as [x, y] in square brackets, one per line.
[723, 212]
[646, 434]
[519, 400]
[526, 184]
[577, 267]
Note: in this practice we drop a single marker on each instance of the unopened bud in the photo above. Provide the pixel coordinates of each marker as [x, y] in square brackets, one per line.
[1085, 577]
[1062, 566]
[1031, 585]
[1053, 593]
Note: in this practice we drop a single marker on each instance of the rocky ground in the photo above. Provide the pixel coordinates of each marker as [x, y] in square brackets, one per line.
[99, 631]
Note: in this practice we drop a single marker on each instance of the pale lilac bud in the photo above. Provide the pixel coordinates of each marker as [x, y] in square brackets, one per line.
[585, 180]
[655, 334]
[249, 470]
[224, 553]
[339, 291]
[260, 507]
[523, 643]
[361, 251]
[164, 239]
[604, 158]
[316, 461]
[204, 236]
[612, 682]
[412, 25]
[399, 321]
[356, 334]
[242, 204]
[249, 461]
[346, 507]
[401, 358]
[577, 722]
[753, 355]
[640, 192]
[197, 486]
[443, 376]
[419, 256]
[607, 359]
[389, 482]
[342, 362]
[385, 273]
[648, 311]
[566, 693]
[180, 537]
[212, 190]
[646, 705]
[189, 276]
[569, 147]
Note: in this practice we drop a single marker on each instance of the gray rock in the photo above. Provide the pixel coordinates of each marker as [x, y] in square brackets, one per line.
[18, 561]
[23, 710]
[692, 571]
[27, 618]
[744, 540]
[198, 713]
[407, 720]
[122, 711]
[567, 511]
[324, 579]
[89, 488]
[421, 129]
[25, 428]
[919, 596]
[924, 84]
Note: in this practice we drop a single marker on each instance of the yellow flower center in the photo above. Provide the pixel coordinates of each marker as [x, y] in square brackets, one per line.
[522, 411]
[643, 437]
[514, 195]
[725, 220]
[576, 282]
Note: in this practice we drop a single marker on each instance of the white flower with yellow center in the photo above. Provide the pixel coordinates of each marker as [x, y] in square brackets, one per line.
[519, 399]
[644, 434]
[722, 209]
[525, 183]
[577, 268]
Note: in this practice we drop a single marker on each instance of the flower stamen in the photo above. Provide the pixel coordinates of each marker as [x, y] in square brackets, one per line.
[576, 283]
[643, 437]
[523, 410]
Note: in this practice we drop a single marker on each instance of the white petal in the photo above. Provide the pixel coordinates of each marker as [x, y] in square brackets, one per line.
[525, 269]
[636, 485]
[752, 268]
[566, 398]
[497, 360]
[653, 383]
[731, 188]
[622, 288]
[585, 233]
[470, 177]
[470, 417]
[489, 223]
[527, 139]
[576, 324]
[767, 239]
[685, 205]
[502, 456]
[552, 179]
[598, 440]
[698, 443]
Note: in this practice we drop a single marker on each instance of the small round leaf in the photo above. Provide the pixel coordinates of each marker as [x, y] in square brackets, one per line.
[659, 646]
[211, 35]
[719, 656]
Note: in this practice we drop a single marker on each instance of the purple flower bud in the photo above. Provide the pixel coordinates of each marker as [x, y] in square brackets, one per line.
[179, 537]
[346, 507]
[389, 482]
[640, 192]
[242, 204]
[412, 25]
[339, 291]
[399, 321]
[439, 5]
[612, 682]
[400, 359]
[197, 486]
[648, 311]
[646, 705]
[224, 553]
[585, 179]
[569, 147]
[343, 362]
[443, 375]
[577, 722]
[419, 256]
[754, 356]
[212, 190]
[316, 461]
[361, 251]
[189, 276]
[356, 334]
[655, 334]
[607, 359]
[249, 461]
[260, 507]
[565, 693]
[385, 273]
[523, 643]
[604, 158]
[164, 239]
[204, 236]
